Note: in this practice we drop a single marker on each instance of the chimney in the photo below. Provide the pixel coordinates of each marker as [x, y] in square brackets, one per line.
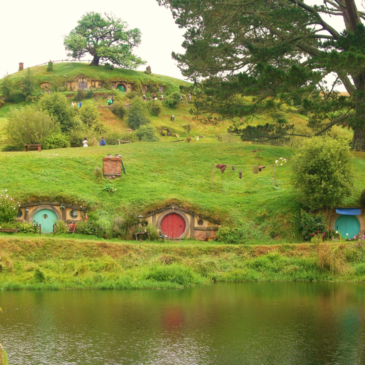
[21, 66]
[112, 167]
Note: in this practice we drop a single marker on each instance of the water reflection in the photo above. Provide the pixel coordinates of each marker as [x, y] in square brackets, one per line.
[251, 323]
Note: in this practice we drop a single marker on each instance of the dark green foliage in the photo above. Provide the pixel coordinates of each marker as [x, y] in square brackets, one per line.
[108, 66]
[173, 273]
[8, 208]
[312, 224]
[173, 100]
[60, 227]
[147, 133]
[251, 62]
[7, 148]
[155, 107]
[89, 114]
[39, 276]
[16, 97]
[50, 66]
[26, 227]
[137, 115]
[322, 173]
[362, 199]
[2, 103]
[27, 84]
[57, 140]
[118, 109]
[80, 95]
[89, 93]
[6, 86]
[105, 38]
[91, 227]
[58, 106]
[133, 94]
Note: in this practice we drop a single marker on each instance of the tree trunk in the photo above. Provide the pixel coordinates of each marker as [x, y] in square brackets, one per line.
[95, 61]
[358, 140]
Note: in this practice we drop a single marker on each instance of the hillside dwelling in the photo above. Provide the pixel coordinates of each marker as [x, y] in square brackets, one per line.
[48, 213]
[348, 221]
[144, 88]
[177, 223]
[45, 86]
[161, 89]
[122, 86]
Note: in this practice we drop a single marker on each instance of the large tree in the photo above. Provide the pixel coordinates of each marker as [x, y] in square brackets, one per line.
[257, 56]
[104, 38]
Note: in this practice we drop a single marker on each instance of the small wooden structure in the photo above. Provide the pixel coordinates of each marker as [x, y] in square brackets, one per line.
[119, 141]
[9, 230]
[141, 235]
[28, 147]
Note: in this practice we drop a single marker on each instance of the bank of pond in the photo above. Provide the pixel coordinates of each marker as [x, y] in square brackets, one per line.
[57, 263]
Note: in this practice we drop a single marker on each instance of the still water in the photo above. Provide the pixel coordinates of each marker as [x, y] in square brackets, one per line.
[246, 323]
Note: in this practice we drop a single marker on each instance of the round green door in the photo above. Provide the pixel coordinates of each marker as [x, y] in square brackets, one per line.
[348, 226]
[121, 88]
[46, 218]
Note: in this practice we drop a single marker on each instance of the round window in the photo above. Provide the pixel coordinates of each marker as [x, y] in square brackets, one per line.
[45, 216]
[20, 213]
[200, 222]
[74, 213]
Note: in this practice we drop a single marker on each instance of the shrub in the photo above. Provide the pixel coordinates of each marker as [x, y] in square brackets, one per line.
[322, 173]
[133, 94]
[27, 83]
[58, 140]
[2, 103]
[362, 199]
[152, 230]
[50, 66]
[137, 115]
[58, 106]
[29, 126]
[32, 98]
[98, 172]
[108, 66]
[6, 86]
[147, 133]
[173, 100]
[89, 93]
[91, 227]
[89, 114]
[312, 223]
[8, 208]
[8, 148]
[16, 97]
[26, 227]
[118, 109]
[360, 269]
[60, 227]
[39, 276]
[80, 95]
[155, 107]
[123, 226]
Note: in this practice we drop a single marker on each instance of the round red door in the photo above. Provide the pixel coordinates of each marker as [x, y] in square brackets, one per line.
[173, 225]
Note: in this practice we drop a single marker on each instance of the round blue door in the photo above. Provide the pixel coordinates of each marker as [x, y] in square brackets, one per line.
[46, 218]
[348, 226]
[121, 88]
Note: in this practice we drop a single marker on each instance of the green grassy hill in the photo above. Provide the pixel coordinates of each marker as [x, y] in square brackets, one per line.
[161, 173]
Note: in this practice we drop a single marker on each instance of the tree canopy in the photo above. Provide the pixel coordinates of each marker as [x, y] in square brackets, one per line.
[250, 57]
[104, 38]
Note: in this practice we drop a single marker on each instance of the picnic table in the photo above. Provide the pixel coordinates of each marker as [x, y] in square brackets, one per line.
[28, 147]
[141, 234]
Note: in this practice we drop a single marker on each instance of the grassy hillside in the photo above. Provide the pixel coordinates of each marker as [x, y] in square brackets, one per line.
[158, 173]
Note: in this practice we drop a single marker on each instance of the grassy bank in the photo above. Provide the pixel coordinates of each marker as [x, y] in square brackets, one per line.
[50, 263]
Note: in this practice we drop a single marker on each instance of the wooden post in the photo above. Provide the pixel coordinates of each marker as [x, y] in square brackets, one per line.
[212, 173]
[274, 175]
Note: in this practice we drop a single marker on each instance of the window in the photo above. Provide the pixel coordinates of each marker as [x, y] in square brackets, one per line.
[74, 213]
[200, 222]
[45, 216]
[20, 213]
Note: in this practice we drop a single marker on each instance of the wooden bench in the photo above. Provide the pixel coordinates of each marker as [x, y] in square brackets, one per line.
[141, 235]
[119, 141]
[9, 230]
[28, 147]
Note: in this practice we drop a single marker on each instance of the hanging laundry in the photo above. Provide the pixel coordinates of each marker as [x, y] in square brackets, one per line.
[240, 174]
[221, 167]
[261, 168]
[233, 168]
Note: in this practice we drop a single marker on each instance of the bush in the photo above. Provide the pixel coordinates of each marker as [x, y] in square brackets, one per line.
[16, 97]
[147, 133]
[6, 86]
[89, 114]
[133, 94]
[28, 83]
[39, 276]
[80, 95]
[173, 100]
[89, 93]
[137, 115]
[8, 148]
[29, 126]
[362, 199]
[26, 227]
[152, 230]
[155, 107]
[60, 227]
[108, 66]
[310, 224]
[118, 109]
[50, 66]
[58, 106]
[360, 269]
[173, 273]
[91, 227]
[8, 208]
[2, 103]
[123, 226]
[322, 173]
[58, 140]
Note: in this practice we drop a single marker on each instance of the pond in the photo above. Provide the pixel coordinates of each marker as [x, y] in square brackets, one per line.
[245, 323]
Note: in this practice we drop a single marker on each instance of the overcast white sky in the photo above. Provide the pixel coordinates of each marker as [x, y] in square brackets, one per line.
[32, 31]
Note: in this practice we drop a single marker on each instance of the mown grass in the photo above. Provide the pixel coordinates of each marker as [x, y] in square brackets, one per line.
[48, 263]
[161, 173]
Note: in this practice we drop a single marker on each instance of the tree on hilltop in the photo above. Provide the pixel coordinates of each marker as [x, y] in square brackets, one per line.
[104, 38]
[279, 52]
